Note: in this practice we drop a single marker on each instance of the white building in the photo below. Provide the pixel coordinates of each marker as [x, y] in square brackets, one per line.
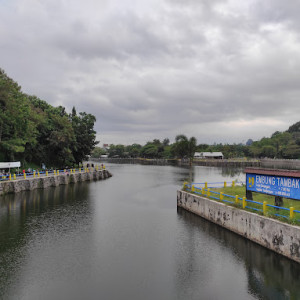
[215, 155]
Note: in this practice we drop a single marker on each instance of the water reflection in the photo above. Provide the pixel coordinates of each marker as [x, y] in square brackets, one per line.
[122, 239]
[21, 218]
[269, 275]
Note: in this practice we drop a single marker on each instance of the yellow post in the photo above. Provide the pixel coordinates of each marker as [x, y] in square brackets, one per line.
[292, 214]
[221, 196]
[47, 173]
[236, 199]
[15, 177]
[74, 171]
[233, 183]
[24, 175]
[79, 170]
[193, 188]
[97, 167]
[244, 202]
[57, 172]
[225, 184]
[54, 171]
[34, 174]
[205, 186]
[104, 167]
[265, 207]
[9, 176]
[208, 193]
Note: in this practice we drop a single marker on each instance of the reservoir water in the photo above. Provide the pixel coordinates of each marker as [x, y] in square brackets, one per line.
[124, 238]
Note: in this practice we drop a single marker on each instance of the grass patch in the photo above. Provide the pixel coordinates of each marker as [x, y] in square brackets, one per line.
[241, 191]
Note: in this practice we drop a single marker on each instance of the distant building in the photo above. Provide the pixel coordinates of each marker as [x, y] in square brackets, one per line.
[215, 155]
[106, 147]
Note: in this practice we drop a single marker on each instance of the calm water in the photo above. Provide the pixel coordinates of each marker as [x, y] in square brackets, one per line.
[124, 238]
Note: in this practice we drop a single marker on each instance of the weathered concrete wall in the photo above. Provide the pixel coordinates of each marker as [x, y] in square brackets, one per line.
[289, 164]
[7, 187]
[277, 236]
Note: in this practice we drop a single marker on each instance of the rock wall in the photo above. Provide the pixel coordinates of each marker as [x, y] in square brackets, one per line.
[277, 236]
[7, 187]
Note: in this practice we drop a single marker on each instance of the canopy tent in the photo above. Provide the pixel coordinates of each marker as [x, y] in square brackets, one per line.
[8, 165]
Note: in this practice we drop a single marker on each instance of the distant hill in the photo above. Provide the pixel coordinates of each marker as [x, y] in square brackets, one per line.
[284, 144]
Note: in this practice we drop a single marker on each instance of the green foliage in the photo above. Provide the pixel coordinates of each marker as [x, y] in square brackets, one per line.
[185, 147]
[33, 131]
[97, 152]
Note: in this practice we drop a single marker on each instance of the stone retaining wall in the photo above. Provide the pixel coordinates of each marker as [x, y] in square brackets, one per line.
[7, 187]
[277, 236]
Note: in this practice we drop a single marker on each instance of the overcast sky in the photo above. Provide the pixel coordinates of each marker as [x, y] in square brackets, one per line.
[222, 71]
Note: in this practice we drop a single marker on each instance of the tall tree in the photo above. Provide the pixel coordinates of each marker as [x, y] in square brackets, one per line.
[85, 135]
[185, 147]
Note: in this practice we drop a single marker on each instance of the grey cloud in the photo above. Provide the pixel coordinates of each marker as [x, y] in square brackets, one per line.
[155, 71]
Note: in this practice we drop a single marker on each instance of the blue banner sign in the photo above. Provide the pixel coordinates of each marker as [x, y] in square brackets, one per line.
[287, 187]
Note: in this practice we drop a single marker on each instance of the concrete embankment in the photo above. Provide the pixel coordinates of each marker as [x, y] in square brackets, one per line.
[7, 187]
[277, 236]
[288, 164]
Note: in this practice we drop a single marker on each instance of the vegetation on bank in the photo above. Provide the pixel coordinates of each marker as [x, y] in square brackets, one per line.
[258, 197]
[34, 132]
[280, 145]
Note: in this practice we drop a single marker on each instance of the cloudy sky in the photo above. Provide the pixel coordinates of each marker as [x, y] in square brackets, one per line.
[222, 71]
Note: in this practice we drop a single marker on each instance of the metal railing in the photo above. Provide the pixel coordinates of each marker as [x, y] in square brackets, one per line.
[204, 189]
[46, 173]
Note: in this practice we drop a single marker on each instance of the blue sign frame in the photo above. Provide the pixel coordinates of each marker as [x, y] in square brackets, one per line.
[286, 187]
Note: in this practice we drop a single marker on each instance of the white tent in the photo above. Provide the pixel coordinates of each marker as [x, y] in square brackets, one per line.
[8, 165]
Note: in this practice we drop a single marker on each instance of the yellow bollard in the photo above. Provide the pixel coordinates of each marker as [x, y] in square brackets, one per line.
[79, 170]
[34, 174]
[24, 175]
[292, 214]
[205, 185]
[57, 172]
[54, 172]
[265, 207]
[233, 183]
[47, 173]
[237, 199]
[208, 193]
[64, 170]
[244, 202]
[221, 196]
[104, 167]
[9, 176]
[225, 184]
[74, 171]
[15, 177]
[193, 188]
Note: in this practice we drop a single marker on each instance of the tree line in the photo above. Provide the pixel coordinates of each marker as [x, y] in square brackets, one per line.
[280, 145]
[33, 131]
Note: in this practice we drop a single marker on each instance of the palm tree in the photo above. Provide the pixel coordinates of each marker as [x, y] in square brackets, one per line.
[185, 147]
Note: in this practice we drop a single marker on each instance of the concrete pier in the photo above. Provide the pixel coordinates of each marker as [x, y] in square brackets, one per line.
[275, 235]
[15, 186]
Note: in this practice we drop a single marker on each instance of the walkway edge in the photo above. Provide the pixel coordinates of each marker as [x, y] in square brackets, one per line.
[16, 186]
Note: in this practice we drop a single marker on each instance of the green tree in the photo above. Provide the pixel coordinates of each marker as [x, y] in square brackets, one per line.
[185, 147]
